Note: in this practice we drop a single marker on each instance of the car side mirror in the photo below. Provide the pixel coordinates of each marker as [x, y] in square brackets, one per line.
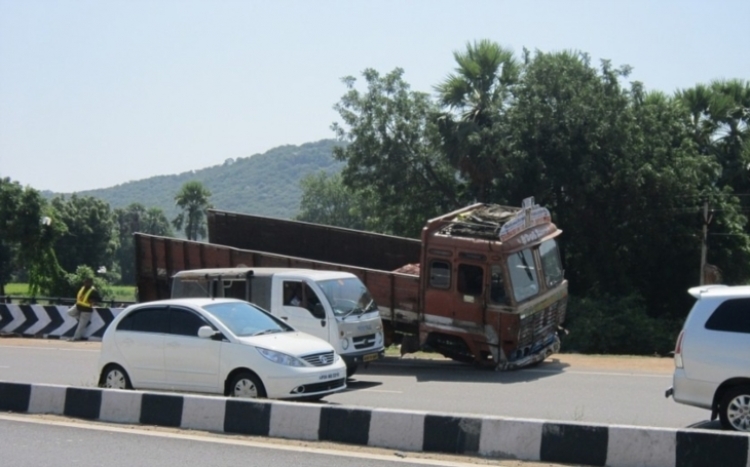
[207, 332]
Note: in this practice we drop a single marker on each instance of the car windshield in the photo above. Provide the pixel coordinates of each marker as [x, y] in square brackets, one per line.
[347, 296]
[244, 319]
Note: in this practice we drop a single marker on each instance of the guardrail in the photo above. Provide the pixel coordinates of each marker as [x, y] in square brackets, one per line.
[51, 321]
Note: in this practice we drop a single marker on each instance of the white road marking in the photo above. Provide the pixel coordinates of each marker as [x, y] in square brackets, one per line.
[239, 442]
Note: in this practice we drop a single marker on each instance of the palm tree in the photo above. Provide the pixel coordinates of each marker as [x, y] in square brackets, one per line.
[720, 116]
[475, 97]
[193, 200]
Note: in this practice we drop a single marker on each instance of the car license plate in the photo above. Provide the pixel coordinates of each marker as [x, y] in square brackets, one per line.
[370, 357]
[329, 376]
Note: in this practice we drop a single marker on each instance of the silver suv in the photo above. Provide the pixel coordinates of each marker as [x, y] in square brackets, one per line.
[712, 355]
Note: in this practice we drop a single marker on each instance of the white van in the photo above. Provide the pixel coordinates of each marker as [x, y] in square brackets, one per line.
[333, 305]
[712, 355]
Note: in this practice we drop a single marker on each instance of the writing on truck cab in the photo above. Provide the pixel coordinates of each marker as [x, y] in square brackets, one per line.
[335, 306]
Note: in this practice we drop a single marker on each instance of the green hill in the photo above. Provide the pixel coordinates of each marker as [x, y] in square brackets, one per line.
[264, 184]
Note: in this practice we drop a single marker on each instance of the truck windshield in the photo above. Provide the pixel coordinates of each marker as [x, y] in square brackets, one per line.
[523, 276]
[347, 296]
[551, 265]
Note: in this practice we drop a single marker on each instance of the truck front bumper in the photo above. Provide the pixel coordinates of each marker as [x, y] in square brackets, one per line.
[365, 356]
[536, 357]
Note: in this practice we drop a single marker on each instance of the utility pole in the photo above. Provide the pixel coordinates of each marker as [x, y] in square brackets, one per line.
[704, 241]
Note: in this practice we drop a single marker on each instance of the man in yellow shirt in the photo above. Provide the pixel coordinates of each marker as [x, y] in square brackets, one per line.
[85, 300]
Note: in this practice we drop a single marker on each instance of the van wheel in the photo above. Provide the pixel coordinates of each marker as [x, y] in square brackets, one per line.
[735, 409]
[246, 385]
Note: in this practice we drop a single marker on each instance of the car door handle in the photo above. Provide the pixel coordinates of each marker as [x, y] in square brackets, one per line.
[285, 318]
[173, 344]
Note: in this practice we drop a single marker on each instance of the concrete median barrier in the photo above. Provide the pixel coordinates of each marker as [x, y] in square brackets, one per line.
[490, 437]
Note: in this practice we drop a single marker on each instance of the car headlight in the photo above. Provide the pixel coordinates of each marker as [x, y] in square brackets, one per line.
[344, 343]
[280, 358]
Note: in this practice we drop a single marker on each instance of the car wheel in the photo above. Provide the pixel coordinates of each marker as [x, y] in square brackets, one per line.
[735, 409]
[115, 377]
[246, 385]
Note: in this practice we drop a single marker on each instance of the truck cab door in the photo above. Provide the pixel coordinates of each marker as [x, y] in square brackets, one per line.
[303, 309]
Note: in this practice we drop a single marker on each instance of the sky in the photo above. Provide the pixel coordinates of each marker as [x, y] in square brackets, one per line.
[98, 93]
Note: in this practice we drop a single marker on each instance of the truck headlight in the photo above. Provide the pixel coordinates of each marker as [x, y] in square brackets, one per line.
[378, 337]
[280, 358]
[344, 343]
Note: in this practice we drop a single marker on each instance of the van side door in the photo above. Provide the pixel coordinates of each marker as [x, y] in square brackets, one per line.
[302, 307]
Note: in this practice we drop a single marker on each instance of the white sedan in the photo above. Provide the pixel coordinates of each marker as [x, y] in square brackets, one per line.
[219, 346]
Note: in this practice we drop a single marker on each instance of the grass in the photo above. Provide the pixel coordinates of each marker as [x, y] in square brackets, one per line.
[122, 293]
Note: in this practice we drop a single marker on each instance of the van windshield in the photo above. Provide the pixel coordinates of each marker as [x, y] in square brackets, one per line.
[347, 296]
[187, 287]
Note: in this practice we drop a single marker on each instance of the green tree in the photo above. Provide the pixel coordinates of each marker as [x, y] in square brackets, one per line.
[393, 151]
[326, 200]
[90, 236]
[619, 170]
[136, 218]
[193, 199]
[473, 129]
[28, 231]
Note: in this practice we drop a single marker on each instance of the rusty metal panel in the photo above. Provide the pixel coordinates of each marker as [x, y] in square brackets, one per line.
[161, 258]
[313, 241]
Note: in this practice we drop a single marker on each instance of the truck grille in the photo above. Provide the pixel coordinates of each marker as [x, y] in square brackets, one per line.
[541, 324]
[364, 342]
[319, 359]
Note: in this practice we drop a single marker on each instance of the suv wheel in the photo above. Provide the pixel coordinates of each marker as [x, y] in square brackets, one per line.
[735, 409]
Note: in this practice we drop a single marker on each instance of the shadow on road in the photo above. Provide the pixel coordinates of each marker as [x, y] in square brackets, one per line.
[706, 425]
[425, 369]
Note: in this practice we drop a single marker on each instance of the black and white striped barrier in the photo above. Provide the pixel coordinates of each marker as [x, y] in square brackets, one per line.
[51, 321]
[493, 437]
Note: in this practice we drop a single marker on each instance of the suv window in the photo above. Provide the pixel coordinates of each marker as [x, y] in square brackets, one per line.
[185, 322]
[151, 319]
[731, 316]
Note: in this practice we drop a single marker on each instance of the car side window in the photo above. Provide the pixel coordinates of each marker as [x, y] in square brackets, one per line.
[151, 319]
[185, 322]
[731, 316]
